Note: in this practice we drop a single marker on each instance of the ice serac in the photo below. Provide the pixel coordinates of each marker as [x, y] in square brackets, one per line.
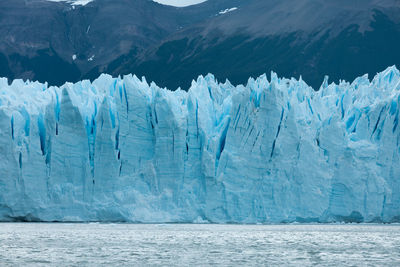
[120, 149]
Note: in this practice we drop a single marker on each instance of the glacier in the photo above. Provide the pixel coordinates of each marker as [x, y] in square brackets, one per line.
[121, 149]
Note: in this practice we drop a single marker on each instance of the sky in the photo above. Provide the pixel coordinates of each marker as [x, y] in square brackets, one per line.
[179, 2]
[165, 2]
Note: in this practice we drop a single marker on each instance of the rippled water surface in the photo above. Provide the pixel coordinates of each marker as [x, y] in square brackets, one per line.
[178, 244]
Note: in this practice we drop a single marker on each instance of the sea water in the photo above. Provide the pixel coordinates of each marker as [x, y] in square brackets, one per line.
[93, 244]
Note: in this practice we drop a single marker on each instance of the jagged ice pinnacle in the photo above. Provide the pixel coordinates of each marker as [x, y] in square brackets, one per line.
[119, 149]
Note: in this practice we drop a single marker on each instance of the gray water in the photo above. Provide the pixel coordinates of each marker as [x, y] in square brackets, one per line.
[41, 244]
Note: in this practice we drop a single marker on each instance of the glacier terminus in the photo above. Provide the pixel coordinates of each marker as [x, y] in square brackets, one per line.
[275, 150]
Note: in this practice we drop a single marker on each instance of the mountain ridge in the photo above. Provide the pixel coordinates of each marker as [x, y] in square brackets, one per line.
[57, 43]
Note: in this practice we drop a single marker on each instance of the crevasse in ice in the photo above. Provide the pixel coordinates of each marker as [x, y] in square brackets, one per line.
[119, 149]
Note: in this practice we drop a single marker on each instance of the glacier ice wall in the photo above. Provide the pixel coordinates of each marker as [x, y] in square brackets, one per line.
[119, 149]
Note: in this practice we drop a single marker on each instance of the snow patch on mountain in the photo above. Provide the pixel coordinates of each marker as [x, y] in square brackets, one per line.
[227, 10]
[74, 2]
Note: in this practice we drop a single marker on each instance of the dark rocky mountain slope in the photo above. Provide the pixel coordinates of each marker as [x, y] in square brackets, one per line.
[57, 42]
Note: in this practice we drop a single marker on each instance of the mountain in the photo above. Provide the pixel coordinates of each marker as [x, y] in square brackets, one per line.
[342, 39]
[58, 42]
[119, 149]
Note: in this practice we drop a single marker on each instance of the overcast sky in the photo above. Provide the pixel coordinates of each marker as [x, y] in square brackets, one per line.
[180, 2]
[165, 2]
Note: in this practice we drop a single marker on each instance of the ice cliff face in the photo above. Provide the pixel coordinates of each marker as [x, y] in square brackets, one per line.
[273, 151]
